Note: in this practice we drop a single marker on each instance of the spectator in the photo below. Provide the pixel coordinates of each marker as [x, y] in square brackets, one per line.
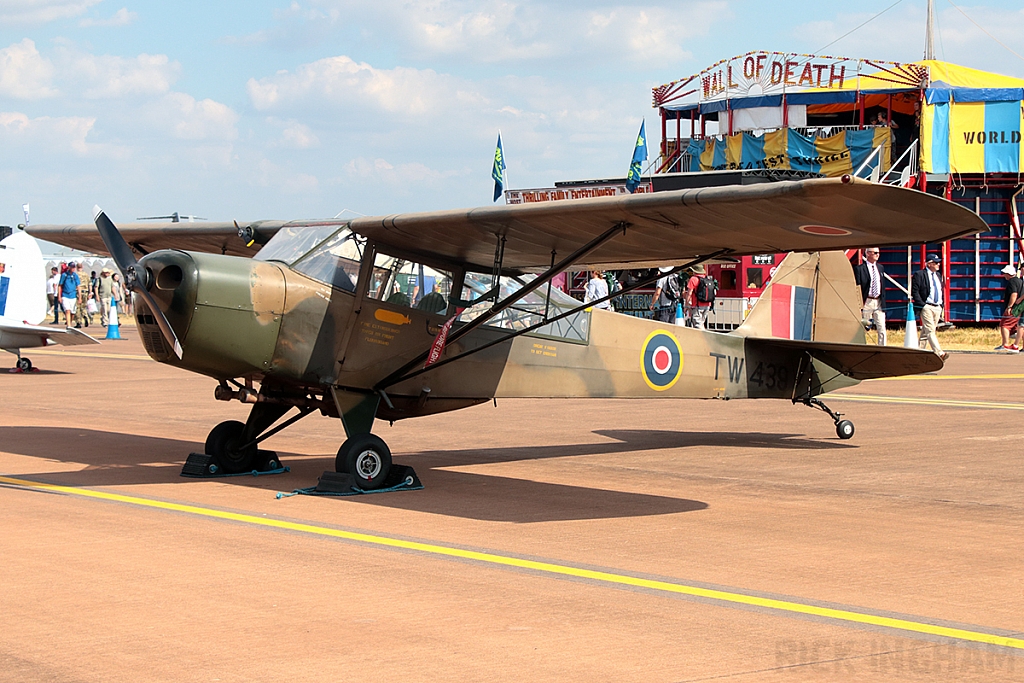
[119, 294]
[596, 289]
[1013, 309]
[926, 293]
[663, 303]
[699, 304]
[68, 289]
[52, 297]
[870, 276]
[82, 303]
[104, 293]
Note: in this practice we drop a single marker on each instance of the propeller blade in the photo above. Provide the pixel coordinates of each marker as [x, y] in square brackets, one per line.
[135, 279]
[118, 248]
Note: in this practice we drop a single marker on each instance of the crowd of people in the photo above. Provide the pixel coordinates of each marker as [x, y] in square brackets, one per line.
[78, 297]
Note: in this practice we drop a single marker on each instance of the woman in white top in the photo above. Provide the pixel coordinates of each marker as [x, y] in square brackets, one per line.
[597, 288]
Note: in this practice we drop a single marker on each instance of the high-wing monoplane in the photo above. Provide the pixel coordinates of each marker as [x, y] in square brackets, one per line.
[413, 314]
[23, 301]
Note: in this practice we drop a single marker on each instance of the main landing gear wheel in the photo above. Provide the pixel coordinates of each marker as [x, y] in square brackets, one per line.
[844, 428]
[224, 444]
[367, 458]
[24, 364]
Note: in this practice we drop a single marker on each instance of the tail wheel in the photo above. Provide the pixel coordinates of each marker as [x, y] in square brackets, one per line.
[367, 458]
[24, 364]
[224, 444]
[844, 428]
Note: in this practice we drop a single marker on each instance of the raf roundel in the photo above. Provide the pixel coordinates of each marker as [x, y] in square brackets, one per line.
[661, 360]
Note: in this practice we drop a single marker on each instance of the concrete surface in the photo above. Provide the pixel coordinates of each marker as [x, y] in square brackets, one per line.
[920, 517]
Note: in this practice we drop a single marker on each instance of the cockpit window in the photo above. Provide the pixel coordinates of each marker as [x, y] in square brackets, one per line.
[290, 244]
[413, 285]
[336, 261]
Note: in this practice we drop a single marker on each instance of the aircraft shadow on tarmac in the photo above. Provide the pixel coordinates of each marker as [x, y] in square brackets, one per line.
[117, 459]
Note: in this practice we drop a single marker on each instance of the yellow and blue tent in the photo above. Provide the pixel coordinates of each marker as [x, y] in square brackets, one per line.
[972, 121]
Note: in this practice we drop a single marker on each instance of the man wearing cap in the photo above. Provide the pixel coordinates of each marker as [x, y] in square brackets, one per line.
[869, 276]
[697, 310]
[68, 291]
[104, 292]
[1011, 320]
[926, 293]
[663, 303]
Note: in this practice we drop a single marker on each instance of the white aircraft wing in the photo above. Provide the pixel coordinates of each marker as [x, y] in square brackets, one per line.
[22, 336]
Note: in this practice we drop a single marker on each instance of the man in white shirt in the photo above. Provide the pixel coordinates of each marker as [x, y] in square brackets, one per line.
[597, 288]
[870, 277]
[52, 299]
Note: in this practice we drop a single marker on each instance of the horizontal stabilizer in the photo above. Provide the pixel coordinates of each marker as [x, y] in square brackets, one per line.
[861, 361]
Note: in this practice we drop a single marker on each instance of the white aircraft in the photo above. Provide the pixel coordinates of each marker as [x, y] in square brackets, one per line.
[23, 301]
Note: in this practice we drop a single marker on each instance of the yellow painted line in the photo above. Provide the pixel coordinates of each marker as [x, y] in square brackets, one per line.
[86, 354]
[926, 401]
[933, 377]
[841, 615]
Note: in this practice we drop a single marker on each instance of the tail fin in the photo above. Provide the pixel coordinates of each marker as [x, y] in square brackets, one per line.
[22, 280]
[811, 297]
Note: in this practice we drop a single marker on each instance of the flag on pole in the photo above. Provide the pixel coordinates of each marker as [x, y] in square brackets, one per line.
[639, 157]
[498, 171]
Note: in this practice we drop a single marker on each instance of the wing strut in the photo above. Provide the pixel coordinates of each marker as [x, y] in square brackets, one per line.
[547, 321]
[499, 306]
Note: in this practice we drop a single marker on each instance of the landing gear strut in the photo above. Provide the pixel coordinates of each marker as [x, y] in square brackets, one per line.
[844, 428]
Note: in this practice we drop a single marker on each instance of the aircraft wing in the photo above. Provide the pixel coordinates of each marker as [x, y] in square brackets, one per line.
[24, 336]
[209, 236]
[861, 361]
[672, 227]
[660, 228]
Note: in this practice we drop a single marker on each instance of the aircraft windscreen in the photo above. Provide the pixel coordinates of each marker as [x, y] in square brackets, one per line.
[335, 261]
[290, 244]
[529, 310]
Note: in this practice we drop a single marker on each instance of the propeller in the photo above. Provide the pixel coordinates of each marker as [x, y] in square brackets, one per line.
[135, 279]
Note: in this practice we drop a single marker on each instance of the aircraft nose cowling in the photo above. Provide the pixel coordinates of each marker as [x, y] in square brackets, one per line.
[171, 278]
[228, 308]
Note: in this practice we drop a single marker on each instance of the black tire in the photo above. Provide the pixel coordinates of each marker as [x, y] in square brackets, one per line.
[223, 444]
[24, 364]
[367, 458]
[844, 429]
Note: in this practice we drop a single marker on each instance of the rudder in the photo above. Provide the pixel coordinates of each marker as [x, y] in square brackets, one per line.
[811, 297]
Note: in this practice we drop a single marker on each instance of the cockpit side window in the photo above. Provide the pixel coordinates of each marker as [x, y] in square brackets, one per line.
[336, 261]
[412, 285]
[529, 310]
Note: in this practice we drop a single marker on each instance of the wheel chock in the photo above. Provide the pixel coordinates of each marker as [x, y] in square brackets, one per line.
[203, 466]
[400, 478]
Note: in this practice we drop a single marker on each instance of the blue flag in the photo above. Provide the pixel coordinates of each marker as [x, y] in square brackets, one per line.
[639, 157]
[498, 171]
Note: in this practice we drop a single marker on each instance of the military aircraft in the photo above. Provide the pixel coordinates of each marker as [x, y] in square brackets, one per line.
[23, 302]
[414, 314]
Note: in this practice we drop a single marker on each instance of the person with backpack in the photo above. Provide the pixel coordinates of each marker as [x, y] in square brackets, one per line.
[701, 290]
[663, 303]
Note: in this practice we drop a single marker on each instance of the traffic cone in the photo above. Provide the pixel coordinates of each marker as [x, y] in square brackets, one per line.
[910, 336]
[680, 318]
[112, 328]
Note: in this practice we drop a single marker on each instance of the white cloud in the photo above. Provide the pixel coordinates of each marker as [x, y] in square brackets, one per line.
[401, 177]
[295, 135]
[121, 17]
[190, 119]
[24, 73]
[108, 76]
[342, 81]
[52, 134]
[41, 11]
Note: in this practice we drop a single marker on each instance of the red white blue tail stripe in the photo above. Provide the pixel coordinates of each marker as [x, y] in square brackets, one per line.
[792, 311]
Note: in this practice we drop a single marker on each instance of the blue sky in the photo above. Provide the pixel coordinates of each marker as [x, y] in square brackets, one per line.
[277, 109]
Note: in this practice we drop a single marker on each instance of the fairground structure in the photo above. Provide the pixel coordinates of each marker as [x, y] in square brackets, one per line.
[931, 125]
